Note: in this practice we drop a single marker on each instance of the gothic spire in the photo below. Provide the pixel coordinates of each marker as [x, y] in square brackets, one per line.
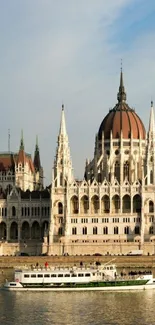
[22, 141]
[37, 163]
[121, 96]
[152, 122]
[63, 170]
[37, 146]
[62, 130]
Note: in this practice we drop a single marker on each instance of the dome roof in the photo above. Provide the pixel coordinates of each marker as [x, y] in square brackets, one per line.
[122, 119]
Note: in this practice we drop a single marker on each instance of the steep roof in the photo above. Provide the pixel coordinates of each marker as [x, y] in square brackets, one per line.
[7, 161]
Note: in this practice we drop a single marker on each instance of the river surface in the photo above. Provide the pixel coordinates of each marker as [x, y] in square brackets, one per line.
[76, 308]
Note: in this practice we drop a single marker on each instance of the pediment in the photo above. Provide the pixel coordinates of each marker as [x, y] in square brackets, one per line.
[14, 195]
[94, 183]
[137, 183]
[126, 183]
[115, 182]
[105, 183]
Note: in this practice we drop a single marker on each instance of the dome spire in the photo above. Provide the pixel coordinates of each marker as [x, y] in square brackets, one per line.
[121, 96]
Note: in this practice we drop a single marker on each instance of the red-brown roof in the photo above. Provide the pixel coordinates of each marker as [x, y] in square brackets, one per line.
[8, 160]
[122, 119]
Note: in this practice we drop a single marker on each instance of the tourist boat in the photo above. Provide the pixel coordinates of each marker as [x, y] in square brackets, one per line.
[92, 277]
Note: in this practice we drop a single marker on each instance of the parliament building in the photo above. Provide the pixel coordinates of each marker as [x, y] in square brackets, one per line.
[109, 211]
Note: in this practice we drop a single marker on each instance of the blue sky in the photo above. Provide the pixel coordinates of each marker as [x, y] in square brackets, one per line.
[69, 51]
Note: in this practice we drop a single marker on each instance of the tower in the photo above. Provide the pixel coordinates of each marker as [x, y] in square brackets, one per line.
[150, 163]
[38, 177]
[63, 171]
[62, 177]
[24, 168]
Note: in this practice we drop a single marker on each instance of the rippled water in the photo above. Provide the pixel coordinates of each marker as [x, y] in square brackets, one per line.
[77, 308]
[72, 308]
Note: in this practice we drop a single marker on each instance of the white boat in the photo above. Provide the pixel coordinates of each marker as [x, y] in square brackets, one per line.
[94, 278]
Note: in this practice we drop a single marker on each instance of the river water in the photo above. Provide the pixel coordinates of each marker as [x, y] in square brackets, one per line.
[76, 308]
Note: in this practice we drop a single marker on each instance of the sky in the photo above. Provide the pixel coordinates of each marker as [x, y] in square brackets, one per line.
[55, 52]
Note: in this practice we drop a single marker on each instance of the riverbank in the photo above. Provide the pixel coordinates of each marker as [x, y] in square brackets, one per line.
[120, 261]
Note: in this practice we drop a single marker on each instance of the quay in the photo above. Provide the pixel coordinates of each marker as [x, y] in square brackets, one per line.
[120, 261]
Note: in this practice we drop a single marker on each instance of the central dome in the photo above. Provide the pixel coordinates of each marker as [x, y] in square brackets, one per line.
[122, 120]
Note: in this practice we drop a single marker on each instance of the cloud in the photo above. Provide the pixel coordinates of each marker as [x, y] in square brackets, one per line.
[69, 52]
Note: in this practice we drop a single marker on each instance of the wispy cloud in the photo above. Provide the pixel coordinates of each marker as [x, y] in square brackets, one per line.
[69, 51]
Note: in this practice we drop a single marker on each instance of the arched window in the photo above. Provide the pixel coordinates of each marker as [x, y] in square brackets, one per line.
[105, 204]
[126, 204]
[74, 205]
[151, 207]
[126, 170]
[151, 230]
[60, 231]
[105, 231]
[94, 204]
[126, 230]
[84, 230]
[137, 203]
[60, 208]
[74, 231]
[151, 177]
[117, 171]
[94, 230]
[13, 211]
[61, 180]
[137, 230]
[115, 204]
[84, 204]
[115, 230]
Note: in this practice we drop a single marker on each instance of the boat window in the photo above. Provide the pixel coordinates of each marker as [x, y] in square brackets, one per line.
[80, 274]
[60, 275]
[87, 274]
[53, 275]
[93, 274]
[40, 275]
[33, 275]
[74, 275]
[46, 275]
[67, 275]
[111, 268]
[26, 275]
[13, 284]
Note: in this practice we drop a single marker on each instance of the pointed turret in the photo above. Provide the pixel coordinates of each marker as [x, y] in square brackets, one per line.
[150, 165]
[37, 164]
[151, 130]
[38, 168]
[62, 130]
[63, 170]
[21, 154]
[121, 96]
[22, 141]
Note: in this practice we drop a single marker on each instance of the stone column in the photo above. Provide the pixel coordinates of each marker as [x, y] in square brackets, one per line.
[19, 232]
[8, 232]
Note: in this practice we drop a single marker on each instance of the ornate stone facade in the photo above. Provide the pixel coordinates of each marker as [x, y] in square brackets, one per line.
[112, 209]
[24, 204]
